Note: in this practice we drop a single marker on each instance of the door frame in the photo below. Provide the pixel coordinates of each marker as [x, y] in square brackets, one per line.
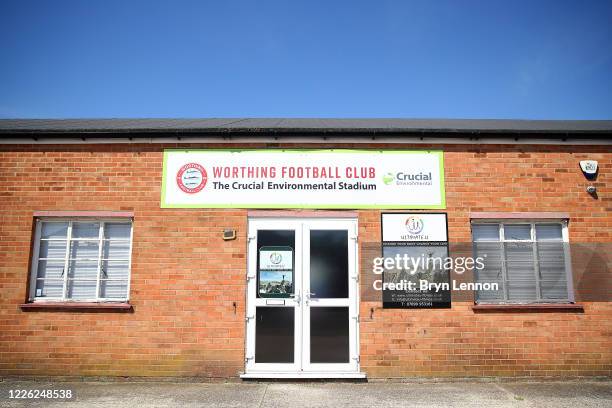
[300, 368]
[252, 301]
[351, 302]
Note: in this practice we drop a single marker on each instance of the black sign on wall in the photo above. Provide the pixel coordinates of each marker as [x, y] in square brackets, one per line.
[418, 244]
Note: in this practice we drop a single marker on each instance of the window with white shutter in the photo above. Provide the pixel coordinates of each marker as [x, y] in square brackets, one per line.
[81, 260]
[528, 260]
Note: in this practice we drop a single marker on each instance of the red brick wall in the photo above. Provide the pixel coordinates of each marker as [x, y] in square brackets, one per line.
[186, 279]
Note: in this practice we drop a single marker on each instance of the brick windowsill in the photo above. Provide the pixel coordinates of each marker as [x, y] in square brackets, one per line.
[77, 306]
[543, 307]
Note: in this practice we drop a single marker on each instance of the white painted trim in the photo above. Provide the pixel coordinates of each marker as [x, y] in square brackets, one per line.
[322, 374]
[67, 260]
[100, 245]
[35, 259]
[281, 222]
[568, 262]
[129, 277]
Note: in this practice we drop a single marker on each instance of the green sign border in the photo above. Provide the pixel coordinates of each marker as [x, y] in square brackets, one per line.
[440, 206]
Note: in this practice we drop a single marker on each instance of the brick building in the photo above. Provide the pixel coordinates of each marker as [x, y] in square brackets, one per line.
[160, 248]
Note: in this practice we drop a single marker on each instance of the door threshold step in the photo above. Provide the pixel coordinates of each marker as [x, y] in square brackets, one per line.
[294, 375]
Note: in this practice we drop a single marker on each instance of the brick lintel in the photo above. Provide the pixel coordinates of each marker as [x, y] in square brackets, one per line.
[108, 214]
[519, 215]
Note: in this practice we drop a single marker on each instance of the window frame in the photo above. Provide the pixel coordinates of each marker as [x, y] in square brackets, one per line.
[500, 222]
[39, 220]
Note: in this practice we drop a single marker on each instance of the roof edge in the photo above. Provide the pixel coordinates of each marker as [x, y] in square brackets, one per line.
[366, 126]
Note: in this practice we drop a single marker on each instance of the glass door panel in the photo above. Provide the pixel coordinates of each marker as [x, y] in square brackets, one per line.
[274, 335]
[329, 335]
[273, 308]
[330, 304]
[329, 264]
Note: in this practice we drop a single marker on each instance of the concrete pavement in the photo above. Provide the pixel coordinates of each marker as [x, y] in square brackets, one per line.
[414, 393]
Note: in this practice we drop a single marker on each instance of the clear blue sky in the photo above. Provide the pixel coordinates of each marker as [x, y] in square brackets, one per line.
[417, 59]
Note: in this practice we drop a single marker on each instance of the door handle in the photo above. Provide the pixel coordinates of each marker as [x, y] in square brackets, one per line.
[296, 297]
[310, 294]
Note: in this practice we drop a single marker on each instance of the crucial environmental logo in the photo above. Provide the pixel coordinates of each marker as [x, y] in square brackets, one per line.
[402, 178]
[388, 178]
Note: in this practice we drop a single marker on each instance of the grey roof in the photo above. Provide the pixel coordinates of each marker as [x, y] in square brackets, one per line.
[460, 127]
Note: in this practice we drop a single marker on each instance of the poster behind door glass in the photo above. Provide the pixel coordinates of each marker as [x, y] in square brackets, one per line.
[275, 272]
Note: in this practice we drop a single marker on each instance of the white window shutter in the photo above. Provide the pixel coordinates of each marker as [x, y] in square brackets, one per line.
[492, 257]
[520, 271]
[551, 262]
[488, 247]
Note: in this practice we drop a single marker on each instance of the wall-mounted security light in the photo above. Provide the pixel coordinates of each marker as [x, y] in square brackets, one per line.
[589, 168]
[229, 234]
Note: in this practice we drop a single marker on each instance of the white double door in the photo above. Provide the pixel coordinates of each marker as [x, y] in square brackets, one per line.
[302, 301]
